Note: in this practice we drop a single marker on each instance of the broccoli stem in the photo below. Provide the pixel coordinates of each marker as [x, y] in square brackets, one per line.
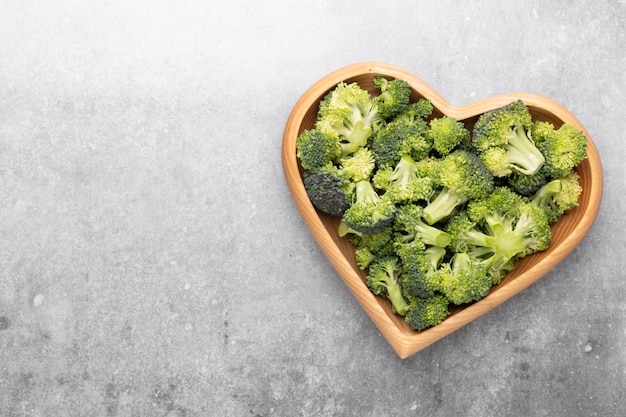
[432, 236]
[504, 238]
[364, 192]
[443, 205]
[543, 196]
[522, 152]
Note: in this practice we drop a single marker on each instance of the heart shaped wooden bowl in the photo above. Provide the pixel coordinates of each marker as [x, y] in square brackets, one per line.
[568, 232]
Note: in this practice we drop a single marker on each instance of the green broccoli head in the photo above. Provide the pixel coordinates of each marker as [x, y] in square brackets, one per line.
[423, 313]
[314, 149]
[564, 148]
[558, 196]
[383, 279]
[509, 225]
[463, 176]
[403, 182]
[464, 279]
[502, 138]
[359, 166]
[369, 213]
[397, 139]
[394, 96]
[447, 133]
[349, 114]
[329, 189]
[419, 263]
[498, 230]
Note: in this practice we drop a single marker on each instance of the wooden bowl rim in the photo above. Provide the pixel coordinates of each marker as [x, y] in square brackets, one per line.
[407, 344]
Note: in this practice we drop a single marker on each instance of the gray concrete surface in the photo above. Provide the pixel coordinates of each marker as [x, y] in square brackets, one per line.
[152, 262]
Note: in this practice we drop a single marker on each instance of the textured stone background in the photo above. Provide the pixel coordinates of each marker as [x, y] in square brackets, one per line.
[152, 262]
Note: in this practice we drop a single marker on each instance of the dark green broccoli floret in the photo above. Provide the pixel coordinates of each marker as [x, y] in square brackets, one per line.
[558, 196]
[403, 183]
[394, 96]
[399, 138]
[502, 139]
[462, 176]
[369, 213]
[382, 279]
[464, 279]
[423, 313]
[410, 226]
[418, 266]
[370, 247]
[446, 134]
[563, 148]
[314, 149]
[416, 113]
[527, 185]
[329, 189]
[349, 114]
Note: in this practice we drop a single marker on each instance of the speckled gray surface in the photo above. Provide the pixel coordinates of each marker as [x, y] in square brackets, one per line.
[152, 262]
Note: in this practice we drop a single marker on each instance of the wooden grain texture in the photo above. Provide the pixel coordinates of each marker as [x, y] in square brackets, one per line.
[568, 232]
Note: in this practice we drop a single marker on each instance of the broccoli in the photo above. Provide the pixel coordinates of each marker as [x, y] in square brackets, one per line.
[359, 166]
[349, 114]
[559, 195]
[427, 312]
[369, 212]
[416, 113]
[527, 185]
[382, 279]
[419, 263]
[462, 176]
[563, 148]
[370, 247]
[499, 229]
[399, 138]
[394, 96]
[329, 189]
[316, 149]
[502, 139]
[410, 226]
[464, 279]
[403, 183]
[447, 134]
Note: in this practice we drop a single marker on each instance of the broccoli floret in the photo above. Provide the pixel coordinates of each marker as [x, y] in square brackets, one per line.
[503, 140]
[446, 134]
[527, 185]
[382, 279]
[423, 313]
[462, 176]
[370, 247]
[369, 213]
[359, 166]
[394, 96]
[418, 266]
[410, 226]
[559, 195]
[416, 113]
[499, 229]
[399, 138]
[464, 279]
[563, 148]
[314, 149]
[462, 229]
[349, 114]
[403, 183]
[329, 189]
